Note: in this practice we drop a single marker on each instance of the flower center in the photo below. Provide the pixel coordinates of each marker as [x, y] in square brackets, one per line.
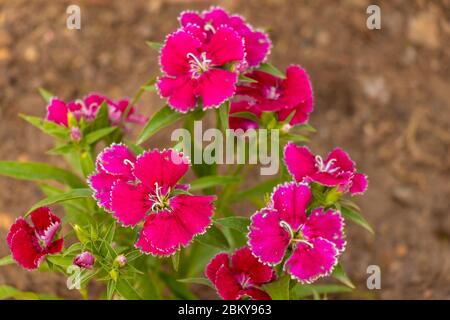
[272, 93]
[325, 166]
[160, 200]
[209, 27]
[244, 280]
[198, 66]
[295, 236]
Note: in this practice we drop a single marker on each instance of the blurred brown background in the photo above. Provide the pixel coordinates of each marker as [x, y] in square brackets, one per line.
[383, 95]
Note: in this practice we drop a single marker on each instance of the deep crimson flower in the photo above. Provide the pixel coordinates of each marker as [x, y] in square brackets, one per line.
[316, 239]
[338, 169]
[196, 67]
[284, 96]
[245, 124]
[84, 260]
[257, 43]
[87, 108]
[30, 244]
[239, 276]
[145, 188]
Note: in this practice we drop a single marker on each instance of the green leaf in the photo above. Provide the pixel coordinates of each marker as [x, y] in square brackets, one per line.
[47, 127]
[61, 150]
[295, 137]
[101, 119]
[214, 237]
[8, 292]
[87, 163]
[110, 288]
[306, 127]
[126, 290]
[47, 95]
[72, 194]
[356, 217]
[237, 223]
[339, 274]
[268, 68]
[279, 289]
[246, 115]
[202, 281]
[154, 45]
[211, 181]
[60, 260]
[177, 288]
[258, 190]
[6, 261]
[223, 111]
[162, 118]
[302, 291]
[96, 135]
[175, 260]
[243, 78]
[39, 171]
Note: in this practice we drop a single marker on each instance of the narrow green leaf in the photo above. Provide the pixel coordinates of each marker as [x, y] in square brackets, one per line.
[154, 45]
[162, 118]
[87, 163]
[47, 127]
[223, 111]
[214, 237]
[47, 95]
[268, 68]
[177, 288]
[60, 260]
[110, 288]
[101, 119]
[246, 115]
[348, 213]
[237, 223]
[8, 292]
[39, 171]
[243, 78]
[62, 149]
[279, 289]
[306, 127]
[211, 181]
[295, 137]
[202, 281]
[6, 261]
[258, 190]
[94, 136]
[126, 290]
[303, 291]
[339, 274]
[175, 260]
[72, 194]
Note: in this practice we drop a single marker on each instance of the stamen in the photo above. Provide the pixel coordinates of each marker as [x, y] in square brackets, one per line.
[325, 167]
[197, 66]
[209, 27]
[309, 244]
[128, 163]
[288, 228]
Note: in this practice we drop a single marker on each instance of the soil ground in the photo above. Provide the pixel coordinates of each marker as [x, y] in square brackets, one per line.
[383, 95]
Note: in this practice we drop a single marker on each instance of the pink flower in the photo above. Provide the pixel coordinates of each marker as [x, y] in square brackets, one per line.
[30, 244]
[239, 276]
[58, 110]
[257, 44]
[145, 188]
[269, 93]
[84, 260]
[196, 67]
[315, 240]
[336, 170]
[245, 124]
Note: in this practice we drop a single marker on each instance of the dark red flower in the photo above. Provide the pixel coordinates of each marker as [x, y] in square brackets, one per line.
[239, 275]
[30, 244]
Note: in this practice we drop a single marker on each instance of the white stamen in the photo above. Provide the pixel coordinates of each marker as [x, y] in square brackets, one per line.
[325, 167]
[197, 66]
[209, 27]
[288, 228]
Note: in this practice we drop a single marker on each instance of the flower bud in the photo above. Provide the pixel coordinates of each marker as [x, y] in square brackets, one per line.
[75, 134]
[84, 260]
[121, 260]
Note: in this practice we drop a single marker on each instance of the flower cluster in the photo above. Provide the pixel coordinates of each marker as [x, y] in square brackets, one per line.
[145, 188]
[88, 107]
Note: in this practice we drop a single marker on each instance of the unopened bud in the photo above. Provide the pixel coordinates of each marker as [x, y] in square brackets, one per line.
[121, 260]
[84, 260]
[75, 134]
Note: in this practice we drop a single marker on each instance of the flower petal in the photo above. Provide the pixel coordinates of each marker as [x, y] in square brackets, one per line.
[164, 168]
[102, 183]
[359, 184]
[117, 159]
[216, 86]
[57, 112]
[327, 224]
[221, 259]
[180, 91]
[243, 261]
[257, 46]
[307, 264]
[291, 200]
[19, 224]
[129, 203]
[267, 239]
[24, 250]
[342, 160]
[224, 46]
[296, 87]
[300, 162]
[254, 294]
[43, 219]
[226, 284]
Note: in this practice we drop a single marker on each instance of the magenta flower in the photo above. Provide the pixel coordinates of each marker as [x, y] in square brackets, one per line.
[197, 67]
[84, 260]
[245, 124]
[30, 244]
[269, 93]
[315, 240]
[58, 110]
[239, 276]
[257, 43]
[145, 188]
[336, 170]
